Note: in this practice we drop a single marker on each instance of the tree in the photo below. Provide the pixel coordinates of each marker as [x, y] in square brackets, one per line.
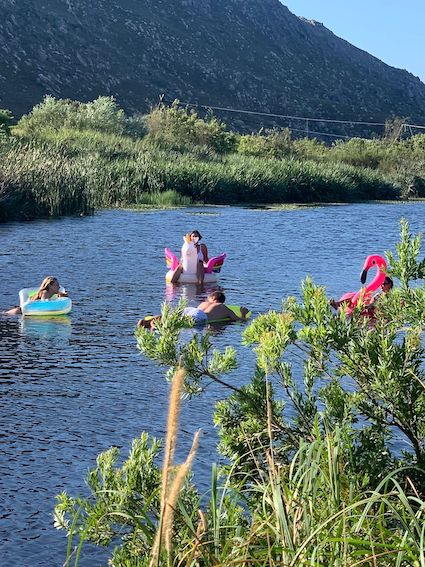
[182, 129]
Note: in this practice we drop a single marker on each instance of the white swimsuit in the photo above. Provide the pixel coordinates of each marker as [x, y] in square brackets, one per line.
[201, 257]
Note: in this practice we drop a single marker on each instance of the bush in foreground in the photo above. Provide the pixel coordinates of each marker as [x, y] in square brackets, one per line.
[312, 477]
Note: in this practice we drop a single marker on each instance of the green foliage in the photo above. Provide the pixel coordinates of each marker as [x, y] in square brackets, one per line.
[6, 119]
[312, 511]
[244, 430]
[102, 115]
[197, 356]
[274, 144]
[180, 129]
[407, 267]
[312, 476]
[172, 157]
[37, 181]
[359, 152]
[123, 505]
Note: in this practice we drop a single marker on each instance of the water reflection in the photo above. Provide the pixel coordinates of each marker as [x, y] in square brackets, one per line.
[54, 329]
[217, 329]
[192, 293]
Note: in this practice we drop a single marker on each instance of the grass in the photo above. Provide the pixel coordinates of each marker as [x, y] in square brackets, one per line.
[75, 172]
[309, 512]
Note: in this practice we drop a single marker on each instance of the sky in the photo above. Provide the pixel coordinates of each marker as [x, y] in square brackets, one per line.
[392, 30]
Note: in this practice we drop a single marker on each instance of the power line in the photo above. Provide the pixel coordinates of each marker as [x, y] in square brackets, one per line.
[273, 115]
[289, 117]
[414, 126]
[320, 133]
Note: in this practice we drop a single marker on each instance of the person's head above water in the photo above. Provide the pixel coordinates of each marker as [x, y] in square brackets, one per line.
[49, 283]
[387, 284]
[217, 297]
[195, 236]
[49, 286]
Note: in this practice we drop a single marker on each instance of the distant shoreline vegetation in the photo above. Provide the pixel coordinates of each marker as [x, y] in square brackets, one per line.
[67, 157]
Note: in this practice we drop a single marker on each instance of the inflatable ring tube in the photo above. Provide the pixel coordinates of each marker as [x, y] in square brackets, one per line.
[43, 307]
[235, 308]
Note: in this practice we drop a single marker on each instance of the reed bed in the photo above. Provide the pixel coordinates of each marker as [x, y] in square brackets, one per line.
[74, 172]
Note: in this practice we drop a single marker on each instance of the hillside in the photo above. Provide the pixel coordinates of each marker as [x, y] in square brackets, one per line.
[252, 54]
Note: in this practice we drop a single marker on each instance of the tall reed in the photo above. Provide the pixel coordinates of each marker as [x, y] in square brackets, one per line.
[172, 477]
[73, 172]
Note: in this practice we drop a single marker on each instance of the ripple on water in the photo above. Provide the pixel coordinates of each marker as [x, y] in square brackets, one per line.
[70, 389]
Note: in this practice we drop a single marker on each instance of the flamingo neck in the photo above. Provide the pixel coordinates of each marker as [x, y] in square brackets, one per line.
[367, 291]
[376, 282]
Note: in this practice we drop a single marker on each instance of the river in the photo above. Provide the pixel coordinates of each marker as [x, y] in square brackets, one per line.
[72, 388]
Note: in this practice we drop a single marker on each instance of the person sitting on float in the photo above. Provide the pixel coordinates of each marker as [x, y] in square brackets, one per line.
[49, 287]
[369, 310]
[202, 251]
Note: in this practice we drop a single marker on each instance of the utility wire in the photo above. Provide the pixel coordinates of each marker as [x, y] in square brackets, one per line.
[238, 111]
[288, 117]
[414, 126]
[321, 133]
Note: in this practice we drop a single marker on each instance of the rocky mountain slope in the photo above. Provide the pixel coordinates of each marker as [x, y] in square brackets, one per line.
[251, 54]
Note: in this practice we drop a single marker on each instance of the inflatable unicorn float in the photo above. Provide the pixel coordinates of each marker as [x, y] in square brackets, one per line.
[364, 296]
[189, 263]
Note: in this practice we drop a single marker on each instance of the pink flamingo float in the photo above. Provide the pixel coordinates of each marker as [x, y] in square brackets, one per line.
[364, 294]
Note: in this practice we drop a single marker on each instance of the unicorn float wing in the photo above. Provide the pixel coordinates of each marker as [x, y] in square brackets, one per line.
[170, 259]
[364, 295]
[215, 264]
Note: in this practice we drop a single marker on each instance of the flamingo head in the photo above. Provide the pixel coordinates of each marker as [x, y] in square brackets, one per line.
[370, 262]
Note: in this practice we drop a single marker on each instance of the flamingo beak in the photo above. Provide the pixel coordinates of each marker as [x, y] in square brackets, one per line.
[363, 276]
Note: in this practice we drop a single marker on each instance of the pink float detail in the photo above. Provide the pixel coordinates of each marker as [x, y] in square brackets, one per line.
[189, 263]
[171, 259]
[364, 294]
[215, 264]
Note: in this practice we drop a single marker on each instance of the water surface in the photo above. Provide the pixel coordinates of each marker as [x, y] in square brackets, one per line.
[73, 387]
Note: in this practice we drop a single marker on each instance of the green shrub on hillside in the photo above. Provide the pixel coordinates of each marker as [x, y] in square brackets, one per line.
[272, 143]
[103, 115]
[182, 129]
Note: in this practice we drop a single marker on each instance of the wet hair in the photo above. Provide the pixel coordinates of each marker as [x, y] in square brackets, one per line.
[217, 296]
[196, 233]
[388, 281]
[148, 323]
[45, 284]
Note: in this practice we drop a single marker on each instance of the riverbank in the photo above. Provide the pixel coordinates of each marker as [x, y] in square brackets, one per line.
[54, 177]
[59, 160]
